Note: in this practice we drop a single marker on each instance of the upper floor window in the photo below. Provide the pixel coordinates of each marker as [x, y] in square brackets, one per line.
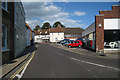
[4, 37]
[45, 32]
[4, 5]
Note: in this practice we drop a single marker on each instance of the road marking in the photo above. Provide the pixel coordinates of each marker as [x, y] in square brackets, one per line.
[22, 68]
[60, 54]
[36, 45]
[95, 64]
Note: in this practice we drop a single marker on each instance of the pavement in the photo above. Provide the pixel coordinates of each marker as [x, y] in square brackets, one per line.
[9, 66]
[87, 52]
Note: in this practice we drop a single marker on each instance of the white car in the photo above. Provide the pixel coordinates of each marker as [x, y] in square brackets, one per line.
[112, 44]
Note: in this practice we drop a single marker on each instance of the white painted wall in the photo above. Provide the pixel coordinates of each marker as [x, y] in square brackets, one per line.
[38, 38]
[110, 24]
[55, 37]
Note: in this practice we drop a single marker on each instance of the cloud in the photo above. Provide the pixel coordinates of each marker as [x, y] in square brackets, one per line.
[32, 23]
[39, 12]
[78, 13]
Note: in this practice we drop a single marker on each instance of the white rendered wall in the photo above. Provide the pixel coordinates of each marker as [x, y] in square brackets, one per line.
[55, 37]
[110, 24]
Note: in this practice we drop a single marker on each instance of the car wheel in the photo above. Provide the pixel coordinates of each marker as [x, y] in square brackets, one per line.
[69, 46]
[79, 46]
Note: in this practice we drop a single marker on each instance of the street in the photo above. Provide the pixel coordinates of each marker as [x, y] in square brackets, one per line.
[51, 62]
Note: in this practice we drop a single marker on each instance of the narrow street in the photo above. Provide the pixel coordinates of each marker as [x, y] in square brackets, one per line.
[52, 62]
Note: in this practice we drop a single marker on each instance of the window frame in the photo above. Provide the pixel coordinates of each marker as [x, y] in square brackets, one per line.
[6, 5]
[5, 48]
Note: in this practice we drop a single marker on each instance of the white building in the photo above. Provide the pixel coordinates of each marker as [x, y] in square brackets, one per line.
[41, 35]
[56, 34]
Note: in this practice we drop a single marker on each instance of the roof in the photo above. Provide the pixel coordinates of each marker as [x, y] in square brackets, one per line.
[89, 30]
[73, 30]
[42, 32]
[59, 29]
[28, 26]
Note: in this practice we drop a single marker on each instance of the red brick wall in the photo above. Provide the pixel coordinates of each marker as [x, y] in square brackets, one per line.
[99, 33]
[114, 13]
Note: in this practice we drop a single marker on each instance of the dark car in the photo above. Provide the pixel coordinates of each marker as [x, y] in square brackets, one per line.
[65, 40]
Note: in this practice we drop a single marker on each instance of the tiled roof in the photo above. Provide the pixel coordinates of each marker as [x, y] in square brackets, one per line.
[28, 26]
[59, 29]
[73, 31]
[42, 32]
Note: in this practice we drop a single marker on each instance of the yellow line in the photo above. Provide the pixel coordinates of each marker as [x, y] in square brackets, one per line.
[13, 76]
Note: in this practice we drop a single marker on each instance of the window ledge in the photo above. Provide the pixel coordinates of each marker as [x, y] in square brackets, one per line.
[5, 50]
[5, 10]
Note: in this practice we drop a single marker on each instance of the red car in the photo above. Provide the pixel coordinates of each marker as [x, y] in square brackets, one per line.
[75, 44]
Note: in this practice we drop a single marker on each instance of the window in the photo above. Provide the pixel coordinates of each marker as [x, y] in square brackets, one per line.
[4, 5]
[45, 32]
[4, 36]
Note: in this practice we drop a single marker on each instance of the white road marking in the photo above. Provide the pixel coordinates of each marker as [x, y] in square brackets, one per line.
[95, 64]
[20, 75]
[61, 54]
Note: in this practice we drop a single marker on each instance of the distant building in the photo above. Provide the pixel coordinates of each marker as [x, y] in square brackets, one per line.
[73, 33]
[57, 34]
[28, 43]
[105, 31]
[41, 35]
[33, 39]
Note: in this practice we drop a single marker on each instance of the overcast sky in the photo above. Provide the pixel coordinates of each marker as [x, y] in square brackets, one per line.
[70, 14]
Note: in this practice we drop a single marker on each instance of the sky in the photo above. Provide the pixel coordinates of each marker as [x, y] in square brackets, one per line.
[70, 14]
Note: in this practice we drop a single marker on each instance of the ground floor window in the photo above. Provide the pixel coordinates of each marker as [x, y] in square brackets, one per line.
[112, 39]
[4, 36]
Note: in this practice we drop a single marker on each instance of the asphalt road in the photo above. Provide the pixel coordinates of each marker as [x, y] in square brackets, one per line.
[52, 62]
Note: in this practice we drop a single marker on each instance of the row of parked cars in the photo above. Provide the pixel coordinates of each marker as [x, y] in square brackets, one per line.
[71, 43]
[76, 43]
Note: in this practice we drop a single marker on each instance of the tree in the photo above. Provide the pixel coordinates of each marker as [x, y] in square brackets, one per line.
[46, 25]
[37, 27]
[58, 23]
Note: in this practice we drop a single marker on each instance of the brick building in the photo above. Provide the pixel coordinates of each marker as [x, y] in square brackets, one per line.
[107, 30]
[7, 31]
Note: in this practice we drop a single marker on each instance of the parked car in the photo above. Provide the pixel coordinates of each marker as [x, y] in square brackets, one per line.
[65, 40]
[68, 42]
[75, 44]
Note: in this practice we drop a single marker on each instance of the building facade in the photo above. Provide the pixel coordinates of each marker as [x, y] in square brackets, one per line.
[58, 34]
[105, 31]
[7, 31]
[73, 33]
[27, 35]
[19, 30]
[41, 35]
[0, 36]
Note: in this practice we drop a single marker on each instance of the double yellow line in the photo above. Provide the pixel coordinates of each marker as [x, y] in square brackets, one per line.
[20, 69]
